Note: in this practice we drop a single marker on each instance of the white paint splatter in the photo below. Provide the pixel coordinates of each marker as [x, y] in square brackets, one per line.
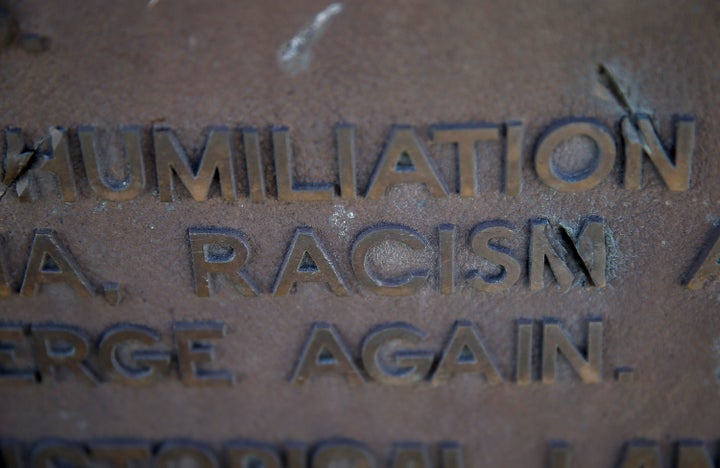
[100, 207]
[340, 218]
[295, 55]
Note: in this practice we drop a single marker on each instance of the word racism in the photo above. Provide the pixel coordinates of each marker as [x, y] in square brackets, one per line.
[405, 159]
[222, 255]
[217, 252]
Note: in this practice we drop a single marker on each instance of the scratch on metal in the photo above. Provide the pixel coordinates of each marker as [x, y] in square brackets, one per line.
[607, 79]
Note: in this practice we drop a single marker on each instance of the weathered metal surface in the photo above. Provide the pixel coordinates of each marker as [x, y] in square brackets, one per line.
[417, 248]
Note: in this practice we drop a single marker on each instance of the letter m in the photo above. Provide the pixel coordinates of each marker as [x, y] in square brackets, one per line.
[171, 159]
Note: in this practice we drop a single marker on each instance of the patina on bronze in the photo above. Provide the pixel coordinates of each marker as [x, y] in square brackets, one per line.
[372, 234]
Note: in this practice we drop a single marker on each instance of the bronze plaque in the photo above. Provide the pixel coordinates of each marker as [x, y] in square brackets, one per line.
[403, 234]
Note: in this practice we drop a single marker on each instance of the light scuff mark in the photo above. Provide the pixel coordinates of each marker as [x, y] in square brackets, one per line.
[295, 55]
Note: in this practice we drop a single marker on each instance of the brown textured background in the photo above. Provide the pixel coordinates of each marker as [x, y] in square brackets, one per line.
[191, 64]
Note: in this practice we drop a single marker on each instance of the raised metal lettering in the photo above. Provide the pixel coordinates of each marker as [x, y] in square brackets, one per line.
[295, 455]
[346, 155]
[193, 350]
[405, 161]
[217, 158]
[400, 286]
[410, 455]
[62, 346]
[254, 165]
[287, 189]
[9, 335]
[541, 250]
[5, 286]
[586, 178]
[451, 455]
[306, 261]
[325, 354]
[446, 258]
[693, 454]
[675, 173]
[641, 454]
[54, 452]
[465, 137]
[245, 454]
[10, 454]
[121, 453]
[559, 455]
[218, 252]
[185, 453]
[59, 164]
[510, 270]
[465, 353]
[127, 365]
[133, 184]
[555, 341]
[49, 262]
[523, 352]
[591, 249]
[514, 135]
[342, 453]
[707, 266]
[401, 367]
